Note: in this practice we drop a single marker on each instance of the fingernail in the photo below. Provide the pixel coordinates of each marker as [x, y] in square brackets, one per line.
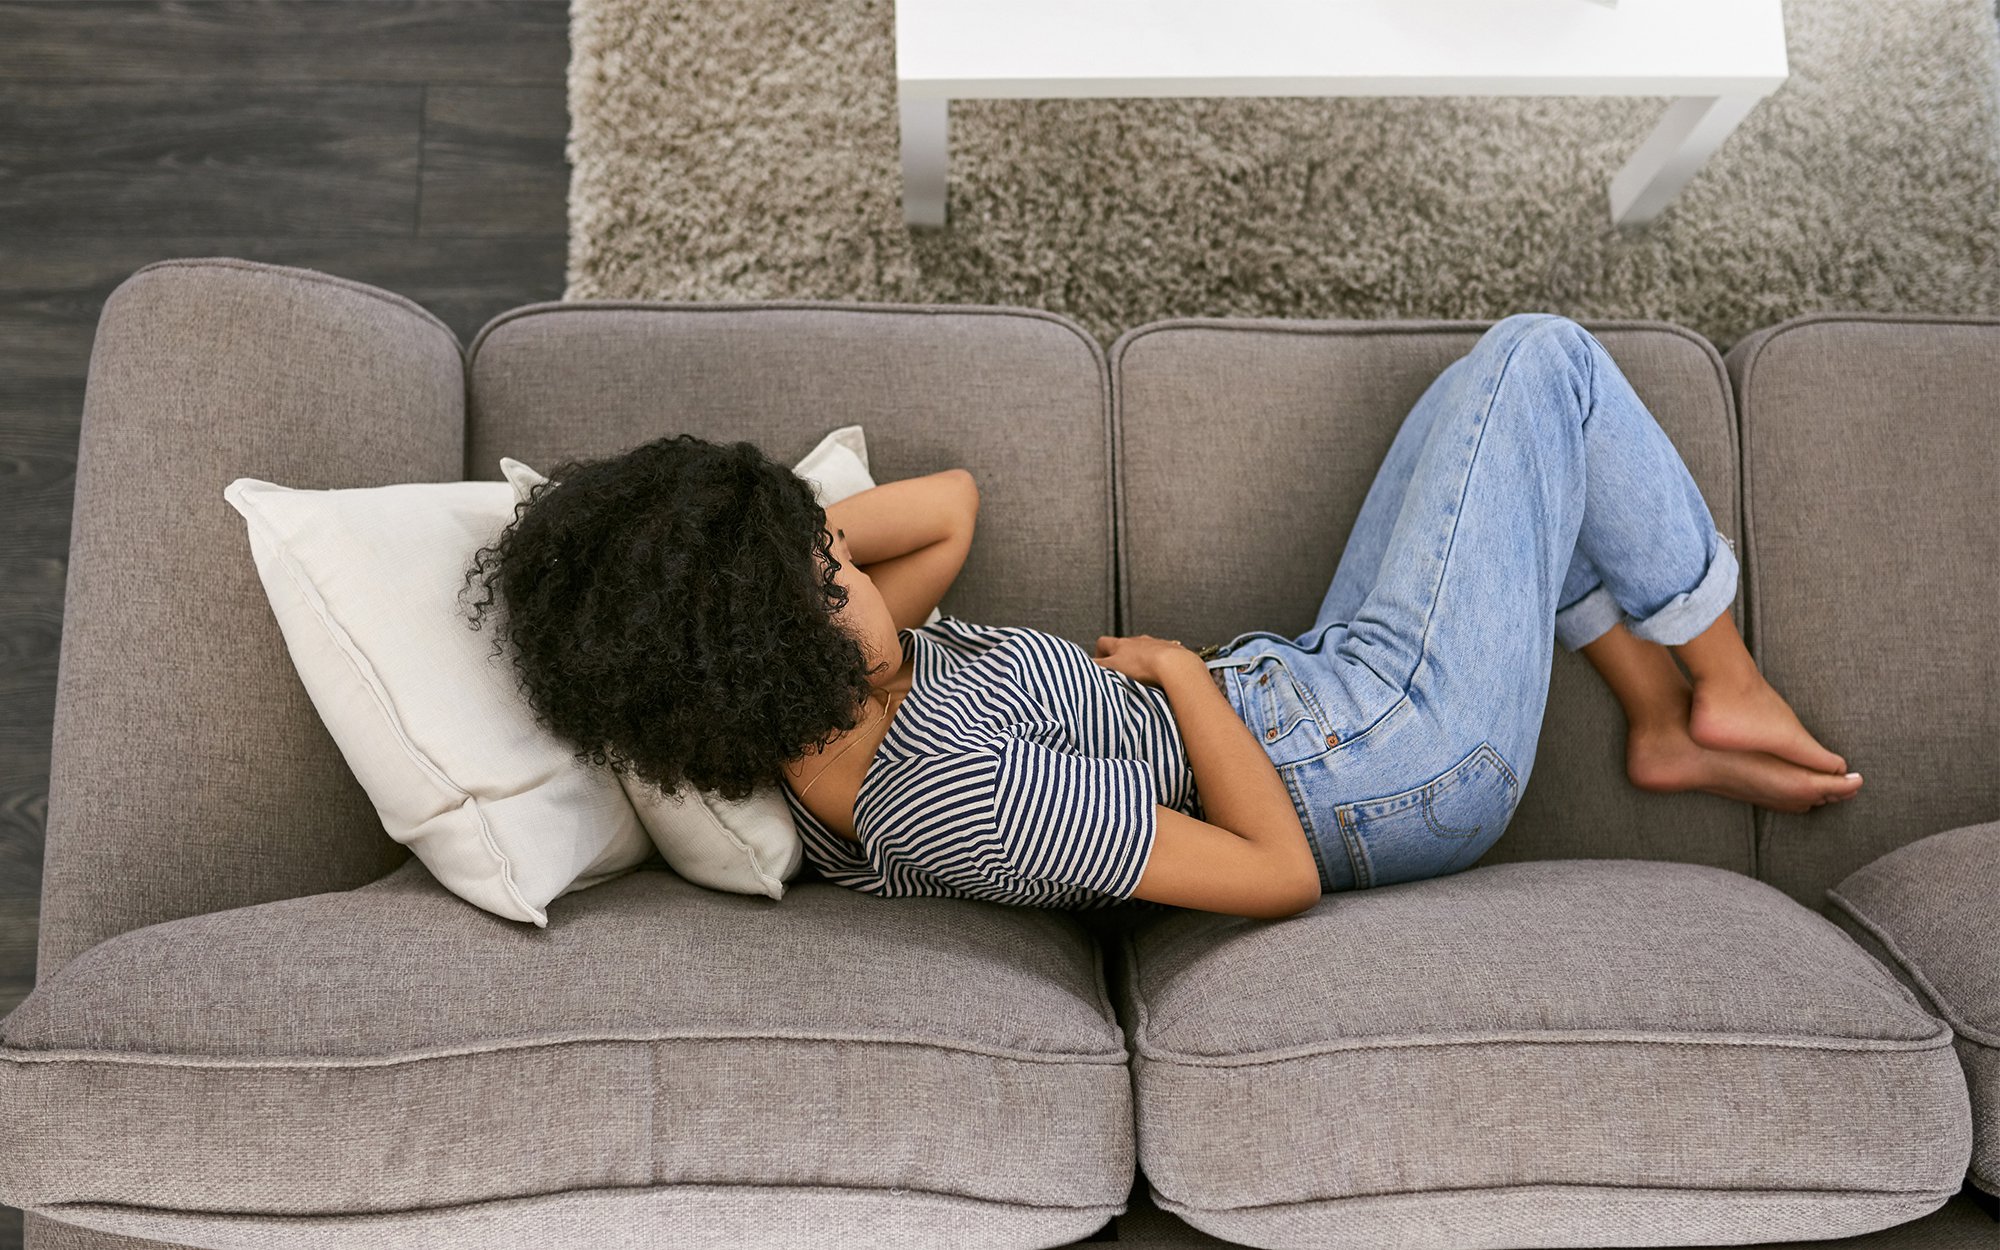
[1854, 776]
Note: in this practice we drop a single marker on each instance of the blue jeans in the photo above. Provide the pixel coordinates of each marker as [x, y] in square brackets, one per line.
[1529, 498]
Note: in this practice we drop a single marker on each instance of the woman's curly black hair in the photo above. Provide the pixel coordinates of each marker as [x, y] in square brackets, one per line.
[671, 613]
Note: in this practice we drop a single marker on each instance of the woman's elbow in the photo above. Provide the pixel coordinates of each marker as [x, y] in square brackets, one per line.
[1298, 906]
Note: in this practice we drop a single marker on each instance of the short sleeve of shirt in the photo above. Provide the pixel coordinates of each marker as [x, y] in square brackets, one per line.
[1075, 820]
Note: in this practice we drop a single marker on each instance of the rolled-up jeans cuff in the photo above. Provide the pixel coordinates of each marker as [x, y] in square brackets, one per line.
[1584, 622]
[1686, 615]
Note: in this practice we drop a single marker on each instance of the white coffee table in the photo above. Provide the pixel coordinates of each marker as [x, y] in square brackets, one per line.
[1717, 58]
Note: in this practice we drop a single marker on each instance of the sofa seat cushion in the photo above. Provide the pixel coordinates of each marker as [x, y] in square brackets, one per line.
[1930, 910]
[1584, 1052]
[390, 1049]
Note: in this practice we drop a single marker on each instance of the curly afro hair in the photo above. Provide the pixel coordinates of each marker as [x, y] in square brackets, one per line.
[671, 614]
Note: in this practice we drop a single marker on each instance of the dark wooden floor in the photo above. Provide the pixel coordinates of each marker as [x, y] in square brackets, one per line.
[415, 144]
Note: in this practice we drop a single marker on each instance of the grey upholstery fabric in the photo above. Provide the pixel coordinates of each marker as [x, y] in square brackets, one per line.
[1246, 449]
[1871, 449]
[259, 1022]
[1537, 1053]
[44, 1232]
[1933, 908]
[189, 772]
[613, 1219]
[388, 1048]
[1957, 1225]
[1019, 398]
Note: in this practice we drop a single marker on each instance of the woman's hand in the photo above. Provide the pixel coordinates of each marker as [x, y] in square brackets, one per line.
[1141, 656]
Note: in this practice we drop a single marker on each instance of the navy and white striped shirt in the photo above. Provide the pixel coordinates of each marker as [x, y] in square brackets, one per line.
[1017, 769]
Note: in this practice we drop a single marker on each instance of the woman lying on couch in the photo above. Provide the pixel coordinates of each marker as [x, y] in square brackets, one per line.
[692, 607]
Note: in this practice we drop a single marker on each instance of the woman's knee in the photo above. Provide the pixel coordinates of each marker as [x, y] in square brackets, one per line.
[1512, 330]
[1552, 347]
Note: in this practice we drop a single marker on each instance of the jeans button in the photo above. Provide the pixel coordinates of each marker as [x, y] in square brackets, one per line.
[1333, 740]
[1265, 680]
[1270, 735]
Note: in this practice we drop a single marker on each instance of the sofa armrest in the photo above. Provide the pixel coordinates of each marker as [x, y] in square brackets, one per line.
[189, 772]
[1930, 910]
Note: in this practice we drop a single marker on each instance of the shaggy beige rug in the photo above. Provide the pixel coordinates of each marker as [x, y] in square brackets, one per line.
[724, 150]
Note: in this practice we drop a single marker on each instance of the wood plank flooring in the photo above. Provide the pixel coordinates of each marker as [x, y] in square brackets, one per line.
[414, 144]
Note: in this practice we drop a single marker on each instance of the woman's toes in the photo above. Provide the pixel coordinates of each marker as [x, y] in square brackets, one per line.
[1838, 789]
[1664, 758]
[1767, 781]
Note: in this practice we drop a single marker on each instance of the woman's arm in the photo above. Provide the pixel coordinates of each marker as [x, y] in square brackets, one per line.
[911, 537]
[1250, 857]
[898, 518]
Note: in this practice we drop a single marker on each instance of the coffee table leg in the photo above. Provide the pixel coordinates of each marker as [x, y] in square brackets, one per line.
[1690, 132]
[926, 159]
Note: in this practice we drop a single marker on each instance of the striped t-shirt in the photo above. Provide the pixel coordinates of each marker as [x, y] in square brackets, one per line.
[1017, 769]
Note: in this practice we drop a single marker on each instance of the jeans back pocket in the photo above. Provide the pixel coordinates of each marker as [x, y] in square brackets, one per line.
[1439, 827]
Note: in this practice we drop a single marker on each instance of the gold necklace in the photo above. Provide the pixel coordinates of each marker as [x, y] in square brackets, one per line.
[843, 750]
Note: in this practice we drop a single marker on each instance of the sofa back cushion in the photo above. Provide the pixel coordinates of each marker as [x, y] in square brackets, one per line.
[1019, 398]
[1246, 449]
[1871, 451]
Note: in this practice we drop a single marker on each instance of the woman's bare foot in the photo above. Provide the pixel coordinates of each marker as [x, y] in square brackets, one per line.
[1736, 709]
[1747, 714]
[1664, 757]
[1728, 734]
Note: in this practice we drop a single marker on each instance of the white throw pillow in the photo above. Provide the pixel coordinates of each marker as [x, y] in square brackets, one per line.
[749, 846]
[364, 584]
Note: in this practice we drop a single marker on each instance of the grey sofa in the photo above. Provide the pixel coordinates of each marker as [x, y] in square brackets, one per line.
[1638, 1020]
